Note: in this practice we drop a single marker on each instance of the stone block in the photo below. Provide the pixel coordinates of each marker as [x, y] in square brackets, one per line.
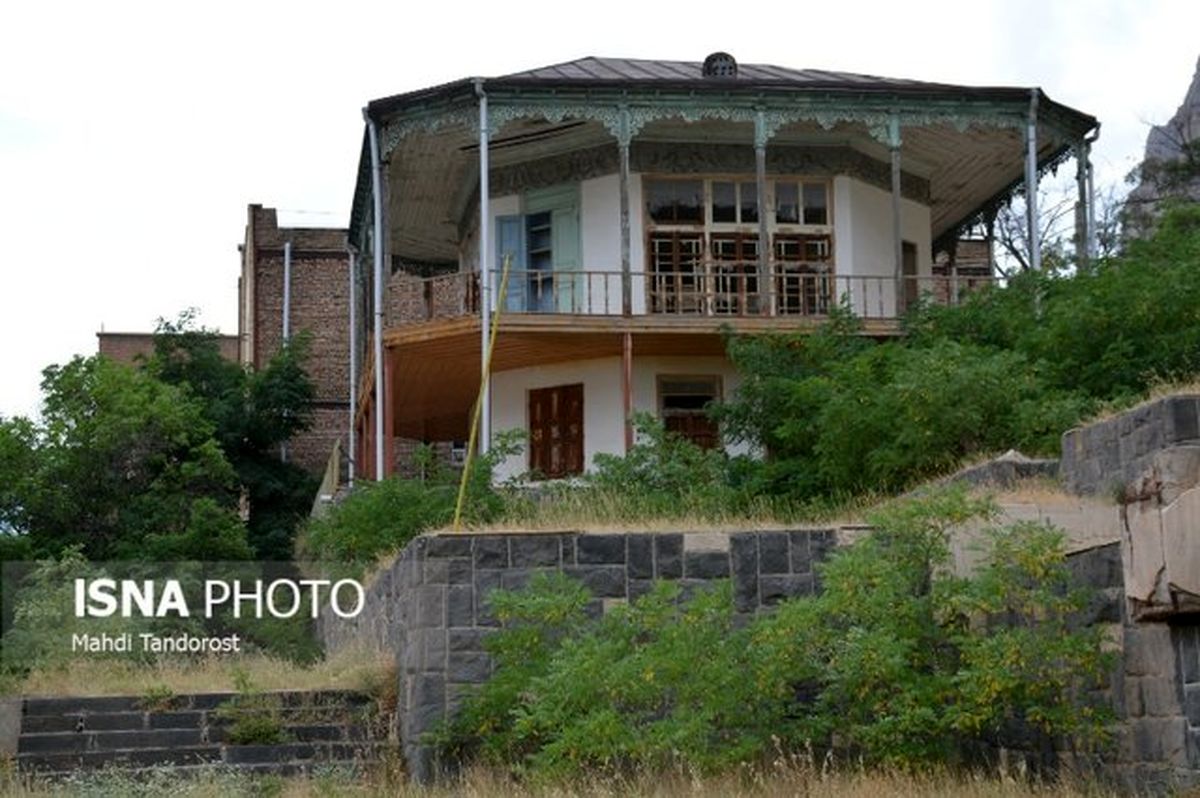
[427, 704]
[706, 565]
[640, 550]
[774, 589]
[1181, 542]
[456, 545]
[460, 605]
[567, 544]
[604, 581]
[600, 550]
[447, 571]
[485, 583]
[516, 578]
[465, 639]
[706, 541]
[1149, 651]
[801, 553]
[433, 649]
[431, 606]
[1142, 551]
[1191, 704]
[1178, 470]
[490, 551]
[639, 588]
[528, 551]
[1184, 422]
[1099, 568]
[773, 553]
[1160, 698]
[1187, 641]
[743, 556]
[469, 667]
[668, 556]
[1132, 696]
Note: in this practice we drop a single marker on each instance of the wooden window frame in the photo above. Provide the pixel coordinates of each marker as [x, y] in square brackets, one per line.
[718, 394]
[711, 301]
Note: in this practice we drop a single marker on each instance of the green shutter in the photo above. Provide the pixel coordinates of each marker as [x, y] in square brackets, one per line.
[510, 240]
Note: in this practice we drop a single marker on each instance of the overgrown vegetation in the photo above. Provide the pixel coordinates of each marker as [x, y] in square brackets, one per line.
[252, 717]
[1011, 367]
[895, 662]
[784, 776]
[381, 517]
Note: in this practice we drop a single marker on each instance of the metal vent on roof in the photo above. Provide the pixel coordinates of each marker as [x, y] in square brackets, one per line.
[720, 65]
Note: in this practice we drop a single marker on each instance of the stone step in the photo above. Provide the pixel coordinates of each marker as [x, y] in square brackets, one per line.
[232, 755]
[284, 769]
[66, 742]
[291, 699]
[92, 760]
[178, 719]
[103, 740]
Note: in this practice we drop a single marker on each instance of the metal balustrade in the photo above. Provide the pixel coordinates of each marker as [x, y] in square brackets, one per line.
[716, 289]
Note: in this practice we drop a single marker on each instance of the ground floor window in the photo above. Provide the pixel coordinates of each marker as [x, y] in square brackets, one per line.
[556, 431]
[682, 403]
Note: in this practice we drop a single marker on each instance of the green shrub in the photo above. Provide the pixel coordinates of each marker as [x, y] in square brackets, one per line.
[381, 517]
[896, 662]
[253, 717]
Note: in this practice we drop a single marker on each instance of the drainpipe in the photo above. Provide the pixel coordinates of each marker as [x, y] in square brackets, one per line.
[377, 246]
[351, 450]
[485, 275]
[287, 291]
[287, 316]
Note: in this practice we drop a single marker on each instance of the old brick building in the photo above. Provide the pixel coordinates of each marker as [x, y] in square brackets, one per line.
[319, 304]
[127, 347]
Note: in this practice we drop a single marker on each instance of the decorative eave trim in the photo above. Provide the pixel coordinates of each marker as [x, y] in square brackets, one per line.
[624, 114]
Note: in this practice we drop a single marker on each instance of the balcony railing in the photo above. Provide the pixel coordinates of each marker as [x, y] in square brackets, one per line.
[717, 290]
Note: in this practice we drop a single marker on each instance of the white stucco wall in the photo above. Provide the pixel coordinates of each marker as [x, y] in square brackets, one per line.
[603, 415]
[864, 244]
[862, 227]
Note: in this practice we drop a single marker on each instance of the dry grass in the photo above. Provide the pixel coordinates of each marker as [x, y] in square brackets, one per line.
[1160, 389]
[609, 511]
[783, 779]
[347, 669]
[1042, 492]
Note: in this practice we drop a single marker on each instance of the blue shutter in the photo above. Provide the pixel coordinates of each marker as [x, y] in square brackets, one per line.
[510, 240]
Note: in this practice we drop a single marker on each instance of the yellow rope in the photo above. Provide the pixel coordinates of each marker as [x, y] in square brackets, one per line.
[487, 371]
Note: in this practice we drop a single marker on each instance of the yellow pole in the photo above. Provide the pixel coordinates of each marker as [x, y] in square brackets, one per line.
[487, 372]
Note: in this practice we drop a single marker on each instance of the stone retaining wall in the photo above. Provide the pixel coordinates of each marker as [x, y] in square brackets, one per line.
[1106, 456]
[431, 606]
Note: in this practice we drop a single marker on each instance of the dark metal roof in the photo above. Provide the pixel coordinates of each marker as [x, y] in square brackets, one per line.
[633, 73]
[592, 69]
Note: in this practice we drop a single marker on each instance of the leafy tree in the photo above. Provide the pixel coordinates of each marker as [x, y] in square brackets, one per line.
[252, 413]
[122, 466]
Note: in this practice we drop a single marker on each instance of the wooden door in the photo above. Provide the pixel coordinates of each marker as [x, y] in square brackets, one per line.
[556, 431]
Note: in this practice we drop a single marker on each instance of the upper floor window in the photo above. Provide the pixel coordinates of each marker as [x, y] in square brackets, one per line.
[798, 202]
[695, 202]
[675, 201]
[734, 202]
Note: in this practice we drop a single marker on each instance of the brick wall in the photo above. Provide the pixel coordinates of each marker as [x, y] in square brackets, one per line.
[128, 347]
[319, 304]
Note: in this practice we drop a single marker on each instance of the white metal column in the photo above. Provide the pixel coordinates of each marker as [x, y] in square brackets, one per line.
[485, 276]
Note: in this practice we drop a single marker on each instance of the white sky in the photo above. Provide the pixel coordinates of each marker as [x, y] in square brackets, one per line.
[133, 135]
